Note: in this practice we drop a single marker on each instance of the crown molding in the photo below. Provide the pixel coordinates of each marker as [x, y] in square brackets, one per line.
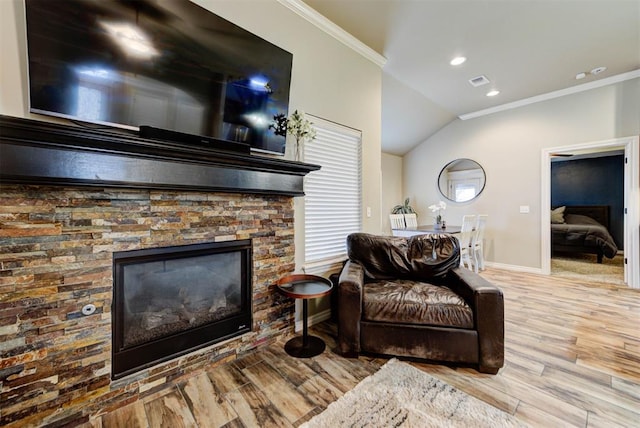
[320, 21]
[555, 94]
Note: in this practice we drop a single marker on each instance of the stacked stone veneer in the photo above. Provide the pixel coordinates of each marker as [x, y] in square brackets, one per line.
[56, 256]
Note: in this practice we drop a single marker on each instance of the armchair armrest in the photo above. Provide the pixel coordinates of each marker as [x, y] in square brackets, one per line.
[350, 285]
[487, 302]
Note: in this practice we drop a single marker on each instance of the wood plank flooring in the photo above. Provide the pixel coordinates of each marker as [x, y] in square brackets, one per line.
[572, 360]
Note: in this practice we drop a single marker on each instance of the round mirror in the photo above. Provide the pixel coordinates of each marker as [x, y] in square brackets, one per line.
[461, 180]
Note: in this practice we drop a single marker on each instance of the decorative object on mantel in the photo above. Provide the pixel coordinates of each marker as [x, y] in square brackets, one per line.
[436, 208]
[298, 126]
[402, 395]
[404, 208]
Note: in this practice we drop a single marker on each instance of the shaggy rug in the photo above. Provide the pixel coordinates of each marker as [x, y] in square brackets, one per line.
[400, 395]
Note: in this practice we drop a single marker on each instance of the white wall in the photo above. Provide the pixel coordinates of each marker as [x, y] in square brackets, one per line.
[329, 80]
[391, 187]
[508, 145]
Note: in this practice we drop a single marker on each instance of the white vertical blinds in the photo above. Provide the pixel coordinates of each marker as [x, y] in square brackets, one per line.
[333, 202]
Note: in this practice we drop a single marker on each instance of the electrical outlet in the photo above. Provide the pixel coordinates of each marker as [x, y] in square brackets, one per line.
[524, 209]
[368, 211]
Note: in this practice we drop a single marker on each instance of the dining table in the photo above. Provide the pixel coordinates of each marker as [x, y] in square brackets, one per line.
[427, 230]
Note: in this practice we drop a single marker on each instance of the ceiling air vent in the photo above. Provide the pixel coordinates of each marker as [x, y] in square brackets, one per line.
[479, 81]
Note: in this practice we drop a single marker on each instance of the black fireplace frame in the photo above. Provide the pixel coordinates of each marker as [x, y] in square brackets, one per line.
[125, 361]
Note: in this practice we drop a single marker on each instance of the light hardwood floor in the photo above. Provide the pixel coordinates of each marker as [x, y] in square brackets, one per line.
[572, 359]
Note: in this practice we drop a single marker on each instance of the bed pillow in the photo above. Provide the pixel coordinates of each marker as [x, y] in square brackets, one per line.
[557, 215]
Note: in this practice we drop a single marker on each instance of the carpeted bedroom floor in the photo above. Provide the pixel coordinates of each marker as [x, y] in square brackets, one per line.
[575, 266]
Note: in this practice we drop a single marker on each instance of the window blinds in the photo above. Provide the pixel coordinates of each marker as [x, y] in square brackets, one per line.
[333, 194]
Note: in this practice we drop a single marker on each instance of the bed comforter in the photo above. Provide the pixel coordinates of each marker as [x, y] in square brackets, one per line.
[585, 232]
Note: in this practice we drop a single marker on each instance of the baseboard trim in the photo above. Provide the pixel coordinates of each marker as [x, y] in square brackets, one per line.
[314, 319]
[514, 268]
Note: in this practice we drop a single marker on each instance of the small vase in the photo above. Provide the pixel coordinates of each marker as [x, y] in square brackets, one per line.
[438, 224]
[300, 151]
[296, 151]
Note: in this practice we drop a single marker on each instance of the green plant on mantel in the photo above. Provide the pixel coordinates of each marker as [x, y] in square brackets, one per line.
[403, 208]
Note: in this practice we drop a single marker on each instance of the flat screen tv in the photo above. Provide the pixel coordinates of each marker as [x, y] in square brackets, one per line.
[167, 64]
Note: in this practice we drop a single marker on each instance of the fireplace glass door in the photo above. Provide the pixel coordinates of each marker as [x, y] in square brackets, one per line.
[173, 300]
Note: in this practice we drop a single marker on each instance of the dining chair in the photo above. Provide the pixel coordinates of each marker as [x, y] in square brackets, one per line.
[477, 242]
[397, 222]
[465, 237]
[411, 221]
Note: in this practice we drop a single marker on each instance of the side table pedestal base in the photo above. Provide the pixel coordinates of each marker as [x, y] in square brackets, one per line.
[296, 347]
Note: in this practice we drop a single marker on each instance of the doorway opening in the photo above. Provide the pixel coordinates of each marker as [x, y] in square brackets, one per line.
[629, 235]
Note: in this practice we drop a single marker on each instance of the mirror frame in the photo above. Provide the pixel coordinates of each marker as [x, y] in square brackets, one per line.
[444, 192]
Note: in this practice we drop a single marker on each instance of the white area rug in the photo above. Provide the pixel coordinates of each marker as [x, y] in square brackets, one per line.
[400, 395]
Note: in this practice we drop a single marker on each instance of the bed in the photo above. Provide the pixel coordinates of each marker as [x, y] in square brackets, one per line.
[582, 229]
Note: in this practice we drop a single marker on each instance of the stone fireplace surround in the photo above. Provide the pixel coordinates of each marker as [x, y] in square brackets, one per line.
[57, 240]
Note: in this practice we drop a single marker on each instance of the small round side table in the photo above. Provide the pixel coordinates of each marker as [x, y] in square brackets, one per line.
[305, 287]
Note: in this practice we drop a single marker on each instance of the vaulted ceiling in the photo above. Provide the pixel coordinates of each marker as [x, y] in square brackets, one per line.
[527, 49]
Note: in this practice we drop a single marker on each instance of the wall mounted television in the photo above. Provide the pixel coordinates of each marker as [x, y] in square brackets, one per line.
[168, 64]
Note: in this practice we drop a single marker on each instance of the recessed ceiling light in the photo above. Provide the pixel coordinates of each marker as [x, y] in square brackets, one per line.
[458, 60]
[598, 70]
[581, 75]
[493, 93]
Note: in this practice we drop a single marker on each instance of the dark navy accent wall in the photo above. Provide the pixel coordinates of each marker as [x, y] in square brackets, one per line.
[593, 181]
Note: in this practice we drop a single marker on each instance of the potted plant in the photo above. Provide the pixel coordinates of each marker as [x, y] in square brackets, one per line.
[298, 126]
[403, 208]
[436, 208]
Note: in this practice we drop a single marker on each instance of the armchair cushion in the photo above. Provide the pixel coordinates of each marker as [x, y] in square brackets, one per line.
[413, 302]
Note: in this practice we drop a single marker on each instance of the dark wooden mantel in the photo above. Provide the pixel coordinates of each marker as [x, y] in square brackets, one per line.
[35, 152]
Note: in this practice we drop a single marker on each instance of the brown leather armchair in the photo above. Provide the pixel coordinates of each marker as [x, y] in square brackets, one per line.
[409, 297]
